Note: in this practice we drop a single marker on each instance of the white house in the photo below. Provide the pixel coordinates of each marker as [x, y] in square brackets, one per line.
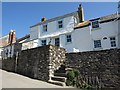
[52, 31]
[7, 44]
[71, 32]
[98, 34]
[3, 42]
[12, 49]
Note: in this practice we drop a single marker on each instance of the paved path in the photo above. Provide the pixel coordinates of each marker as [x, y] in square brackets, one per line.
[12, 80]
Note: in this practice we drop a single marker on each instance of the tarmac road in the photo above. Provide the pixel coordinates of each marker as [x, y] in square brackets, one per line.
[12, 80]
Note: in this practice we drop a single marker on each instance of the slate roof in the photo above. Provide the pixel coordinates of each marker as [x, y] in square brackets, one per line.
[101, 20]
[23, 38]
[4, 41]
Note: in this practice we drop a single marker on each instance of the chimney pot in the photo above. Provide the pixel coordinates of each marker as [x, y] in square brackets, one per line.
[43, 19]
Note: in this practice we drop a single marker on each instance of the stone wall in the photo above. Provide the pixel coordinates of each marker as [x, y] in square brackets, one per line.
[0, 64]
[40, 62]
[34, 63]
[9, 64]
[57, 58]
[98, 68]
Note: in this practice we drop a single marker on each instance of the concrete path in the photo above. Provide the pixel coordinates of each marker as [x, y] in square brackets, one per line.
[12, 80]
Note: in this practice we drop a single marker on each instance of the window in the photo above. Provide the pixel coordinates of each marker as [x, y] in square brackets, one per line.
[44, 28]
[113, 41]
[68, 38]
[95, 24]
[60, 24]
[57, 41]
[97, 43]
[43, 42]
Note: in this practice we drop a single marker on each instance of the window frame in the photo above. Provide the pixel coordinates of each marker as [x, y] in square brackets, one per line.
[58, 24]
[57, 43]
[44, 29]
[97, 44]
[97, 25]
[43, 42]
[68, 38]
[113, 43]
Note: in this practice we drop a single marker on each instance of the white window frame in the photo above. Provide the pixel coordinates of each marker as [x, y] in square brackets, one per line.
[43, 44]
[44, 29]
[57, 42]
[68, 38]
[98, 45]
[113, 43]
[96, 25]
[60, 24]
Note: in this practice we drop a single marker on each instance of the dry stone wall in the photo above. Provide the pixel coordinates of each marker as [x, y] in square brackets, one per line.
[38, 63]
[57, 57]
[98, 68]
[9, 64]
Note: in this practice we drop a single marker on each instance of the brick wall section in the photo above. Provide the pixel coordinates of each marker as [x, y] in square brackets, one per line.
[101, 65]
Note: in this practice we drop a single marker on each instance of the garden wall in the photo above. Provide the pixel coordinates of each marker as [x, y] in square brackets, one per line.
[98, 68]
[38, 63]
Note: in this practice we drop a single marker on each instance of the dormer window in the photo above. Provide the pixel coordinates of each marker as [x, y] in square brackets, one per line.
[44, 28]
[95, 24]
[60, 24]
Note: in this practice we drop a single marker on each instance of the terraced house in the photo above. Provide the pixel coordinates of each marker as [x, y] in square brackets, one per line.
[71, 32]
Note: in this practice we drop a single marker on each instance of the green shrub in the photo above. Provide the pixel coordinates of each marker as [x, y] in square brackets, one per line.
[76, 72]
[70, 75]
[73, 80]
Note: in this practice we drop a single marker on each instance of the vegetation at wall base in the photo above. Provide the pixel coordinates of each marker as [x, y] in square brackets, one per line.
[73, 80]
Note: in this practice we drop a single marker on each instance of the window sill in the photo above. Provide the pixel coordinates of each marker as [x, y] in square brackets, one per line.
[44, 31]
[95, 28]
[67, 43]
[100, 48]
[113, 47]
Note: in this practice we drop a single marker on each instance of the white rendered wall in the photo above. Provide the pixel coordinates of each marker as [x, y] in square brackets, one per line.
[108, 29]
[1, 53]
[10, 48]
[53, 29]
[82, 38]
[34, 32]
[54, 32]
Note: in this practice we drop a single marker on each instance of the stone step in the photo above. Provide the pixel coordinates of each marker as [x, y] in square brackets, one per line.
[56, 78]
[57, 83]
[60, 74]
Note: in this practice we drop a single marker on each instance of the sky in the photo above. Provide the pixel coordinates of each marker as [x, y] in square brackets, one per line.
[21, 15]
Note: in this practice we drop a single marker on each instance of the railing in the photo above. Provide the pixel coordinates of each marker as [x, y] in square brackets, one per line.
[93, 81]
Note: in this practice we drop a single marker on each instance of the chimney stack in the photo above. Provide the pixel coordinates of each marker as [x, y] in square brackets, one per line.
[80, 13]
[12, 37]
